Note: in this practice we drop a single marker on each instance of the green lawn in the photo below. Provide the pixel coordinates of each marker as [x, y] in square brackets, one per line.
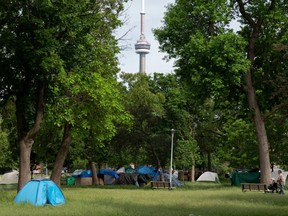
[194, 199]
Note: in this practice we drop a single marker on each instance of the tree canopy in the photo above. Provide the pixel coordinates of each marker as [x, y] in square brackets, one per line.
[46, 44]
[216, 62]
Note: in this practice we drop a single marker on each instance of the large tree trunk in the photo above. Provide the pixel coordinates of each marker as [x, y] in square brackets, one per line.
[94, 173]
[62, 154]
[192, 168]
[26, 140]
[24, 169]
[209, 161]
[263, 145]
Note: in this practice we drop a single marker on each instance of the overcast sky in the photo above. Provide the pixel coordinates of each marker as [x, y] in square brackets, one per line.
[129, 60]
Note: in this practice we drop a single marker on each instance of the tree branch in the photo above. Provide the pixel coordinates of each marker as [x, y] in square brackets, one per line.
[39, 114]
[246, 15]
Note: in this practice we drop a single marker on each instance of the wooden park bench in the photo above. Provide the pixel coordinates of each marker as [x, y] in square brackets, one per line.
[257, 187]
[160, 185]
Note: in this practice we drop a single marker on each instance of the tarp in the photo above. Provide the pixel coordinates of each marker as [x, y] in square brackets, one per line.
[85, 174]
[147, 170]
[109, 176]
[77, 172]
[10, 178]
[175, 182]
[109, 180]
[121, 170]
[127, 179]
[209, 177]
[245, 177]
[108, 172]
[40, 192]
[82, 173]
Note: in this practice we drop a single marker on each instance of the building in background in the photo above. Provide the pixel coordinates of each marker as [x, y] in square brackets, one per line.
[142, 47]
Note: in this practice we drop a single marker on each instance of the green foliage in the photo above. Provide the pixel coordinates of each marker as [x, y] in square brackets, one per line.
[212, 63]
[216, 65]
[78, 163]
[187, 154]
[277, 131]
[8, 134]
[47, 143]
[178, 115]
[4, 146]
[239, 147]
[184, 18]
[69, 47]
[146, 108]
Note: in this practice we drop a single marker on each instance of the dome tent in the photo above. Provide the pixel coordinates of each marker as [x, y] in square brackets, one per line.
[208, 177]
[39, 192]
[10, 178]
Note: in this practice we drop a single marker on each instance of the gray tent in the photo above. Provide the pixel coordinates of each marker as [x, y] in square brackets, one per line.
[209, 177]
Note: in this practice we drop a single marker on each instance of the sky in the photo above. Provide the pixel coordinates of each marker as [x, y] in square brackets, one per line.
[129, 60]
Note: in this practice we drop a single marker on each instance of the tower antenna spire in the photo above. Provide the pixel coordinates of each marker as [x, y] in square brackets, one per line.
[142, 46]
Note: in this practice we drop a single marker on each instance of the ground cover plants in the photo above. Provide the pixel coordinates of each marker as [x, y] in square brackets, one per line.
[194, 199]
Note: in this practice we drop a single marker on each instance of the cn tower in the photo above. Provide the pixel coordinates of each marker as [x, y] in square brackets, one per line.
[142, 46]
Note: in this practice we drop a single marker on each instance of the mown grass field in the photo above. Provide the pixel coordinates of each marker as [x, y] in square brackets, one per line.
[194, 199]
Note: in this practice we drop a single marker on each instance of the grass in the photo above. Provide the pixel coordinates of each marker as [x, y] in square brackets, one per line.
[194, 199]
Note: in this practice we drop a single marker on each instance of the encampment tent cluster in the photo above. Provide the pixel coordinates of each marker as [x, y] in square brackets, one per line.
[125, 176]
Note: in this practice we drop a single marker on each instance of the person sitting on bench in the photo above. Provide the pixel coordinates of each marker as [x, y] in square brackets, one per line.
[273, 186]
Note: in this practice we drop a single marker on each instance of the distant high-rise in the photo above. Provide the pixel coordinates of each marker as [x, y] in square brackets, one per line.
[142, 46]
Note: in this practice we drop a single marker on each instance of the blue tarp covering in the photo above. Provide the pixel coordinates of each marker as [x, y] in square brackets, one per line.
[40, 192]
[82, 173]
[147, 170]
[86, 173]
[108, 172]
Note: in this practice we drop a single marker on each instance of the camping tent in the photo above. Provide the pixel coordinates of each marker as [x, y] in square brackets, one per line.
[108, 176]
[10, 178]
[209, 177]
[40, 192]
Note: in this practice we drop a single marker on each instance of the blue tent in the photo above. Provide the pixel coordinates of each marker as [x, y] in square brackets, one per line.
[40, 192]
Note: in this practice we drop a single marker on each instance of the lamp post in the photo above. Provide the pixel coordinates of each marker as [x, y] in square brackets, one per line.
[171, 159]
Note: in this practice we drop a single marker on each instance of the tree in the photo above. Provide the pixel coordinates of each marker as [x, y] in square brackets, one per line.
[40, 39]
[239, 146]
[179, 115]
[188, 154]
[226, 66]
[4, 146]
[91, 114]
[8, 136]
[141, 142]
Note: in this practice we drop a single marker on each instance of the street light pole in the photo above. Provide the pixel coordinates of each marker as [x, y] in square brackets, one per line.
[171, 159]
